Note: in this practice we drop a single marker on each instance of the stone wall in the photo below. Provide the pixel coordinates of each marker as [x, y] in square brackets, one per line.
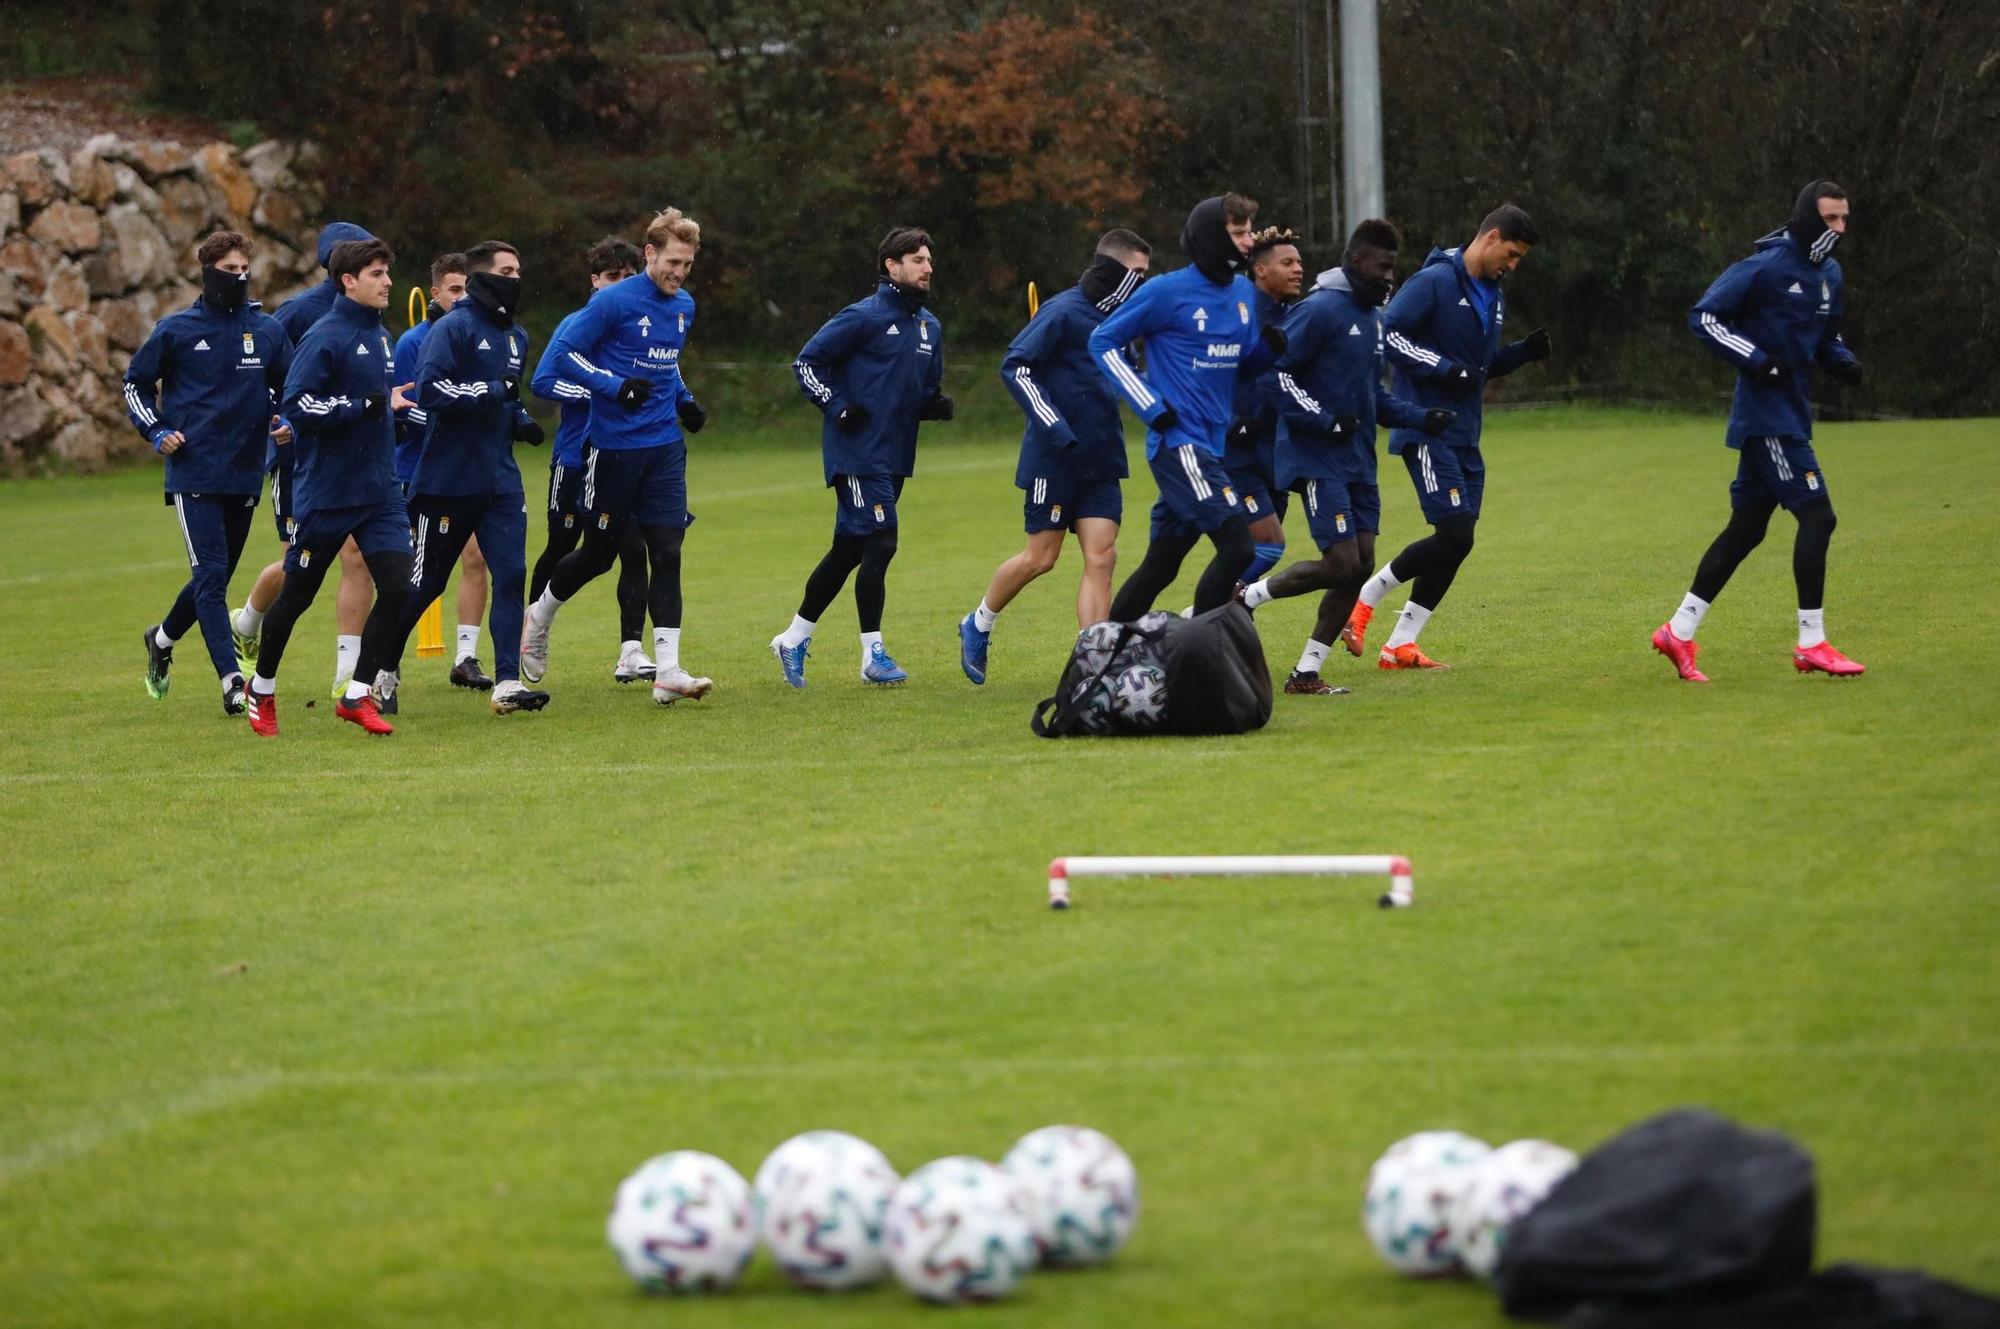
[95, 247]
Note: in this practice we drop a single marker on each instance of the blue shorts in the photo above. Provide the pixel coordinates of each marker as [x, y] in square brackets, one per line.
[1339, 510]
[376, 527]
[645, 485]
[1058, 502]
[281, 497]
[1450, 481]
[1252, 477]
[865, 504]
[1196, 496]
[1777, 470]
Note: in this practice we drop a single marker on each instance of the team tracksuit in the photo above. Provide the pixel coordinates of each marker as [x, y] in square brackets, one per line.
[1073, 448]
[297, 316]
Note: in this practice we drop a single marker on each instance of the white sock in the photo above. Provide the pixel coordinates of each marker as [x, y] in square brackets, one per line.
[468, 642]
[346, 654]
[1314, 656]
[869, 641]
[667, 649]
[1408, 624]
[1257, 593]
[227, 680]
[544, 609]
[1812, 627]
[1687, 619]
[799, 631]
[249, 621]
[262, 686]
[161, 639]
[1380, 585]
[356, 689]
[984, 618]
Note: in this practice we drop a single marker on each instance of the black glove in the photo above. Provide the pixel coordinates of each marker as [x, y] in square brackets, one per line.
[1436, 420]
[527, 429]
[1274, 337]
[510, 389]
[1535, 346]
[1344, 425]
[1458, 380]
[852, 419]
[939, 407]
[634, 392]
[692, 414]
[372, 404]
[1772, 373]
[1847, 371]
[1168, 419]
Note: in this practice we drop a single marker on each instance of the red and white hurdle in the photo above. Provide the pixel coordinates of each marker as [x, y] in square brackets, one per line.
[1400, 895]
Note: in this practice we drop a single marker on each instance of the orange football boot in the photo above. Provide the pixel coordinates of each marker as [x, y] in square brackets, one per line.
[1407, 656]
[1356, 631]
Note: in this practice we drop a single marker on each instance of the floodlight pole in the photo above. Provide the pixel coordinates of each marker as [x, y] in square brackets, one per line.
[1361, 109]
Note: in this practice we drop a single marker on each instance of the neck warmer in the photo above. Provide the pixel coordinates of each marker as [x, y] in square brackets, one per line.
[433, 312]
[1370, 293]
[1206, 240]
[498, 295]
[1809, 231]
[222, 291]
[1106, 283]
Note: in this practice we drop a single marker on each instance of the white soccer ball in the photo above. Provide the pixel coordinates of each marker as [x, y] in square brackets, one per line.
[1505, 1185]
[1086, 1192]
[822, 1198]
[1407, 1211]
[960, 1229]
[684, 1222]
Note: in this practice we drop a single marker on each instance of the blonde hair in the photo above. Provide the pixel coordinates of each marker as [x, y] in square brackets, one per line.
[672, 224]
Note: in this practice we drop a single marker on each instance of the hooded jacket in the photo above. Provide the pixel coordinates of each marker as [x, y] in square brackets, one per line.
[343, 458]
[631, 329]
[218, 375]
[885, 356]
[1332, 369]
[1435, 329]
[297, 315]
[1253, 433]
[1073, 427]
[1776, 306]
[469, 425]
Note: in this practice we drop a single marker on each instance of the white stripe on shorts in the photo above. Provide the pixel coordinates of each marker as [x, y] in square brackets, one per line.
[1196, 479]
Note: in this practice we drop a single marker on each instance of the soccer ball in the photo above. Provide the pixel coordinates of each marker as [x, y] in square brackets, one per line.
[1407, 1211]
[684, 1222]
[1140, 695]
[1505, 1185]
[960, 1229]
[1086, 1192]
[822, 1197]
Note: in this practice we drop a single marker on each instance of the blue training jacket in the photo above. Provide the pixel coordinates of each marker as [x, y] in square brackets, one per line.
[571, 395]
[1199, 336]
[218, 376]
[1330, 391]
[1073, 428]
[886, 357]
[468, 445]
[1435, 329]
[344, 459]
[630, 330]
[1776, 305]
[297, 315]
[1256, 403]
[410, 422]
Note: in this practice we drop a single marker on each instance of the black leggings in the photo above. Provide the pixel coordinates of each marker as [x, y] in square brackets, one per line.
[870, 553]
[1745, 532]
[380, 636]
[631, 570]
[1435, 560]
[602, 548]
[1234, 549]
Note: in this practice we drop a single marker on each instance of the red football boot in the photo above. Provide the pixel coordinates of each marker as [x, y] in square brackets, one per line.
[1406, 656]
[1682, 653]
[362, 711]
[1356, 632]
[1826, 660]
[263, 713]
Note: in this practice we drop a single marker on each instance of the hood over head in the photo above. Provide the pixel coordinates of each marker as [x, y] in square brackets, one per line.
[1206, 240]
[334, 233]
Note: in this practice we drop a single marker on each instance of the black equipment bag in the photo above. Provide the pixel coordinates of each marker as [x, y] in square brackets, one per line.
[1162, 675]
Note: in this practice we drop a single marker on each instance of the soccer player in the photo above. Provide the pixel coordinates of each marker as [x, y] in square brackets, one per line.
[200, 391]
[1330, 397]
[1443, 341]
[1200, 335]
[1073, 449]
[1277, 274]
[447, 289]
[874, 371]
[339, 392]
[625, 348]
[467, 483]
[1772, 316]
[611, 261]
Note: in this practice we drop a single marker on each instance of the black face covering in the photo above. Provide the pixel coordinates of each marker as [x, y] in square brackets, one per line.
[502, 295]
[224, 291]
[433, 312]
[1814, 238]
[1107, 283]
[1370, 293]
[1206, 240]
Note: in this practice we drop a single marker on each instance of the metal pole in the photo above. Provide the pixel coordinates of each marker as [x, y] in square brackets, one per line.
[1361, 107]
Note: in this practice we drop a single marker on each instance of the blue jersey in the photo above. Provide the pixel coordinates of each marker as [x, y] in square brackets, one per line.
[468, 443]
[1073, 427]
[630, 330]
[1775, 307]
[569, 392]
[344, 457]
[886, 357]
[1199, 336]
[1330, 392]
[217, 375]
[1444, 320]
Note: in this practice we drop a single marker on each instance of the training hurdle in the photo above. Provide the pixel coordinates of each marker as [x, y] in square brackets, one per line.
[1395, 867]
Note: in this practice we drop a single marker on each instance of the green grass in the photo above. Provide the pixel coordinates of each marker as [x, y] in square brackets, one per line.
[328, 1031]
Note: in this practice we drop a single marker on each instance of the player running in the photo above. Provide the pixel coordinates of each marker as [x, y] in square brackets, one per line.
[1772, 316]
[1443, 339]
[1073, 449]
[200, 392]
[625, 348]
[1277, 274]
[873, 370]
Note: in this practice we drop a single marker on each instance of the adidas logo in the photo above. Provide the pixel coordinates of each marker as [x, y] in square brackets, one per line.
[646, 326]
[201, 345]
[361, 349]
[895, 331]
[485, 345]
[1462, 303]
[1354, 329]
[1796, 289]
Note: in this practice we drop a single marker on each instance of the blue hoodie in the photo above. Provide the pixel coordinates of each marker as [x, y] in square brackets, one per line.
[1441, 324]
[1200, 334]
[344, 458]
[1332, 368]
[885, 356]
[629, 330]
[218, 375]
[1777, 305]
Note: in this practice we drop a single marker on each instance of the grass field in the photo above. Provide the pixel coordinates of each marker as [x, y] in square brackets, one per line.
[331, 1031]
